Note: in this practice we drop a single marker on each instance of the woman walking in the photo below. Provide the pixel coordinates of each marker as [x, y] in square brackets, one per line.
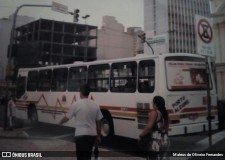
[157, 121]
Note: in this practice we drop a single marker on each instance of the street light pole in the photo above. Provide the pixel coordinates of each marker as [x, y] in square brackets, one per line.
[85, 17]
[10, 49]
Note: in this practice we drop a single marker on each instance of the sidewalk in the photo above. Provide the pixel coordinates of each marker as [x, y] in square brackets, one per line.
[202, 146]
[18, 140]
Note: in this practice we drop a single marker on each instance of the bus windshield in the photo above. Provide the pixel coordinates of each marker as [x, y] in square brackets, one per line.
[186, 74]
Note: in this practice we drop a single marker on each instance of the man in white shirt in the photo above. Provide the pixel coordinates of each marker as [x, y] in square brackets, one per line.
[11, 112]
[88, 117]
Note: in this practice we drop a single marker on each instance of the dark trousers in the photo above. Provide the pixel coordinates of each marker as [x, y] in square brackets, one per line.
[84, 146]
[10, 122]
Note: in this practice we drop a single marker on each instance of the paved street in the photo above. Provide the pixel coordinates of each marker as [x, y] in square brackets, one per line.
[58, 142]
[20, 140]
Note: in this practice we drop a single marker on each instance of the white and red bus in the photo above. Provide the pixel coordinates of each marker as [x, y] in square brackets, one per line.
[124, 88]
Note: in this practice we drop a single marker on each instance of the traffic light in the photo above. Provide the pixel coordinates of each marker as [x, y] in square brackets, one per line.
[142, 37]
[76, 15]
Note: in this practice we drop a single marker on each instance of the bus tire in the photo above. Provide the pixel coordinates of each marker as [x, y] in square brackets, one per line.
[107, 126]
[32, 114]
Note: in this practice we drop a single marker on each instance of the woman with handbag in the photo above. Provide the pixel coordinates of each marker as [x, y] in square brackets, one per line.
[158, 122]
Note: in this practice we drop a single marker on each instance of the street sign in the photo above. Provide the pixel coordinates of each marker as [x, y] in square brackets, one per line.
[59, 7]
[160, 44]
[204, 36]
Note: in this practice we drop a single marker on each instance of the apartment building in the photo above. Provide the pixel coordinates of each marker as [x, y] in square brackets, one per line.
[177, 19]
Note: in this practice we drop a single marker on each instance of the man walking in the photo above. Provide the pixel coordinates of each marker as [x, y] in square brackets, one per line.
[87, 123]
[11, 111]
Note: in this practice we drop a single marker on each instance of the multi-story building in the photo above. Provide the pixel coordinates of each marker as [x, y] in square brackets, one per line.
[218, 14]
[114, 42]
[5, 28]
[47, 42]
[177, 19]
[50, 42]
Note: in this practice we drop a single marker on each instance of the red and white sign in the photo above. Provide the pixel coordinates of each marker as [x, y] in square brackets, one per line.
[204, 35]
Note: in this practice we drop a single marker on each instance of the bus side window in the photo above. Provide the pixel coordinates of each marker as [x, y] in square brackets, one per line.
[146, 76]
[32, 81]
[98, 77]
[59, 79]
[123, 77]
[44, 83]
[77, 77]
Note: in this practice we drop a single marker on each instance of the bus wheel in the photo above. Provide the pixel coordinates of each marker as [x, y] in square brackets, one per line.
[107, 126]
[32, 114]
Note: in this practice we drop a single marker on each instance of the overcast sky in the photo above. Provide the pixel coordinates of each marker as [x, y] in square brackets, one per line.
[127, 12]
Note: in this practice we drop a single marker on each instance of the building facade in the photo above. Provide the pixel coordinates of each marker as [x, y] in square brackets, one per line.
[114, 42]
[218, 14]
[5, 29]
[50, 42]
[177, 19]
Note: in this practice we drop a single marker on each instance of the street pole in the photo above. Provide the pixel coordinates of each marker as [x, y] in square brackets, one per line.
[85, 17]
[10, 50]
[209, 102]
[150, 47]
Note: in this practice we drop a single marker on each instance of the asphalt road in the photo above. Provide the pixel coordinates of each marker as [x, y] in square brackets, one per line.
[117, 144]
[183, 143]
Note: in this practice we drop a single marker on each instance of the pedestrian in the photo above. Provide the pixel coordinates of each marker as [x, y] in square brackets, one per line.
[4, 104]
[88, 117]
[11, 113]
[157, 120]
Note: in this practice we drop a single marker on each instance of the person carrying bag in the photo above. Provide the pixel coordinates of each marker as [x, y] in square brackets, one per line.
[154, 140]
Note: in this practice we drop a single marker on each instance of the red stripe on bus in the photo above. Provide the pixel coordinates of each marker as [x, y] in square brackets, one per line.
[128, 109]
[196, 109]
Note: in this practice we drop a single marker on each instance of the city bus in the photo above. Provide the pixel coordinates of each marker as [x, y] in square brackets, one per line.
[124, 89]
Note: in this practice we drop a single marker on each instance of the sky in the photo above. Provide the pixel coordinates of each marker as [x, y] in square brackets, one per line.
[127, 12]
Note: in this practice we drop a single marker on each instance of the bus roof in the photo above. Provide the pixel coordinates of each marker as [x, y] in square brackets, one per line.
[137, 57]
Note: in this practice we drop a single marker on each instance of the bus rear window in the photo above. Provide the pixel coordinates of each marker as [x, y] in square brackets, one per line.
[186, 74]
